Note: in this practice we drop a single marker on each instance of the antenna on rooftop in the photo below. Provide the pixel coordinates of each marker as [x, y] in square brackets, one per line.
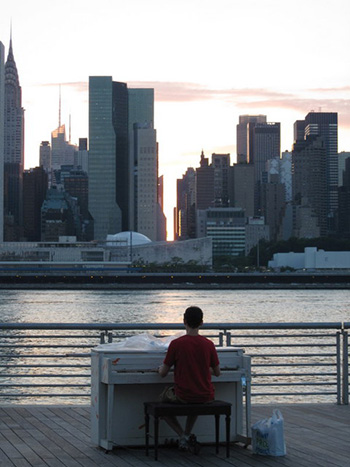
[70, 129]
[59, 108]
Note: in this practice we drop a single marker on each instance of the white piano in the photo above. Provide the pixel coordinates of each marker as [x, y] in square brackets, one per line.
[121, 380]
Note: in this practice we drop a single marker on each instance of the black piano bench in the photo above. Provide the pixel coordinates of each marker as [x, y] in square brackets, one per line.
[167, 409]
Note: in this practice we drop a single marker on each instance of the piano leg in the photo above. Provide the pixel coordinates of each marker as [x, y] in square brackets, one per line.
[156, 432]
[110, 402]
[228, 427]
[147, 432]
[217, 433]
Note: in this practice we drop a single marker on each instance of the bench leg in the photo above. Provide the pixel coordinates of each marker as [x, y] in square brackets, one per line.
[147, 432]
[217, 433]
[156, 431]
[228, 422]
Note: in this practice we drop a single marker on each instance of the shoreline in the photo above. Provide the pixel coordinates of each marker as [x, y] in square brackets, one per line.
[187, 281]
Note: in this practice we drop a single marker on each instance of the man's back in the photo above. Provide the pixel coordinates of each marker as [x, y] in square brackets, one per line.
[192, 357]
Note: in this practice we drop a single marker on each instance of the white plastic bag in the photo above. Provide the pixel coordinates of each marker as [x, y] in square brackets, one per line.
[268, 436]
[143, 342]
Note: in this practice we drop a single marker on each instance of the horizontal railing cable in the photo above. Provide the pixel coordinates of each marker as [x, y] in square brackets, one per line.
[33, 359]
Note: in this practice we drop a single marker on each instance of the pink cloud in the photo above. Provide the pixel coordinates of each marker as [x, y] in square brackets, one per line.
[244, 98]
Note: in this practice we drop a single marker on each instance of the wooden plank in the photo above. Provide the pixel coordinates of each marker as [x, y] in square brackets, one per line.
[316, 434]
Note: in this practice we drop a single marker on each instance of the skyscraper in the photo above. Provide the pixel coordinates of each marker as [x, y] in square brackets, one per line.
[13, 151]
[140, 114]
[204, 183]
[325, 124]
[45, 155]
[2, 110]
[146, 175]
[14, 113]
[241, 187]
[309, 187]
[245, 139]
[267, 145]
[35, 182]
[62, 151]
[185, 212]
[221, 165]
[123, 159]
[103, 204]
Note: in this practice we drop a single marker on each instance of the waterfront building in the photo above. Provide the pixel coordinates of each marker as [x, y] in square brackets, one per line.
[312, 259]
[13, 151]
[226, 228]
[2, 135]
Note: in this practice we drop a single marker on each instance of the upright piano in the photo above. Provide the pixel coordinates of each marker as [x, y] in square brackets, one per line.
[121, 380]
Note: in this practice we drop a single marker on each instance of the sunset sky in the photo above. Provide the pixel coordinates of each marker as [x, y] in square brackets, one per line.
[208, 61]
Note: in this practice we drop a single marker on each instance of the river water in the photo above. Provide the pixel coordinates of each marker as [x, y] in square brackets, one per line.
[167, 306]
[161, 306]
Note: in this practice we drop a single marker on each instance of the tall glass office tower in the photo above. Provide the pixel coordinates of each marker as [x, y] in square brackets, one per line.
[140, 115]
[325, 124]
[103, 204]
[123, 159]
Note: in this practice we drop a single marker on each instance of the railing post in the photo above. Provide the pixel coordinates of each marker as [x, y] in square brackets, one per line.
[339, 392]
[345, 368]
[102, 337]
[221, 339]
[228, 339]
[110, 337]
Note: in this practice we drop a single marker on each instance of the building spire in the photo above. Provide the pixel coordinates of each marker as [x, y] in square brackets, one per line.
[10, 54]
[59, 108]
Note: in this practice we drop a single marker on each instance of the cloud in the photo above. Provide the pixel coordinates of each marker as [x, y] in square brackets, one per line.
[78, 86]
[190, 92]
[243, 98]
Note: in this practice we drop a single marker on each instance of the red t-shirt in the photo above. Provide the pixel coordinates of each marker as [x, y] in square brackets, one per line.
[192, 357]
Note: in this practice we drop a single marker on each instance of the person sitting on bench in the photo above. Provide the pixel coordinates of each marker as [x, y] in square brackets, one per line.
[195, 360]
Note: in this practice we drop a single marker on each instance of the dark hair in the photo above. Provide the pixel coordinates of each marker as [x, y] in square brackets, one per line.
[193, 316]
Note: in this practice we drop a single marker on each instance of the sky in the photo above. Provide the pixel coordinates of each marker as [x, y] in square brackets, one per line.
[208, 62]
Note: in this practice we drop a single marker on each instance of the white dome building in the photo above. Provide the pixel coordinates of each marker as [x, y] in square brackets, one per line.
[127, 238]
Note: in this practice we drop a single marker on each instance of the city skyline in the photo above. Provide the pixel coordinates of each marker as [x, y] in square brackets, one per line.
[207, 63]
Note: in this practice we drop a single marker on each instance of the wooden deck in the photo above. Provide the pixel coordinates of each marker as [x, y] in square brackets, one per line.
[316, 435]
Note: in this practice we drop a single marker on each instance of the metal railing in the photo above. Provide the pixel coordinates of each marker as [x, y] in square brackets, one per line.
[290, 361]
